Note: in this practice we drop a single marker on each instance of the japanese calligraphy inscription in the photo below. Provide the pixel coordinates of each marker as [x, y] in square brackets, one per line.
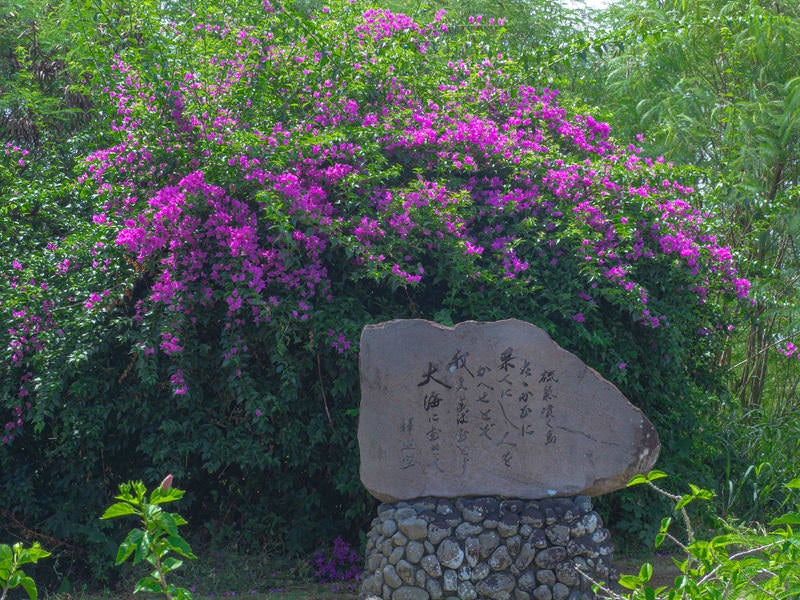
[490, 409]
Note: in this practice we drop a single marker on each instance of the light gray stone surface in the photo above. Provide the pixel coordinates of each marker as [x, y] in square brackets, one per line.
[490, 409]
[513, 567]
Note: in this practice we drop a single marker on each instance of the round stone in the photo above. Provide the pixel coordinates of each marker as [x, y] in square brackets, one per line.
[520, 595]
[472, 551]
[396, 555]
[466, 591]
[508, 525]
[437, 531]
[405, 512]
[410, 593]
[550, 557]
[557, 534]
[414, 528]
[480, 571]
[434, 589]
[391, 578]
[527, 581]
[546, 577]
[450, 580]
[525, 556]
[491, 520]
[591, 522]
[513, 543]
[600, 536]
[424, 504]
[466, 530]
[582, 546]
[405, 571]
[414, 552]
[399, 539]
[450, 554]
[445, 507]
[560, 592]
[372, 584]
[566, 574]
[389, 527]
[488, 540]
[471, 512]
[500, 559]
[497, 586]
[374, 562]
[513, 506]
[542, 593]
[431, 565]
[533, 517]
[538, 539]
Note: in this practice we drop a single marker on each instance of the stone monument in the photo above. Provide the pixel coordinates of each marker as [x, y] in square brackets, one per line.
[485, 441]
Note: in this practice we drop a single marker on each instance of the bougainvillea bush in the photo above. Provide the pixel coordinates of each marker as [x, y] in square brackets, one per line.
[273, 180]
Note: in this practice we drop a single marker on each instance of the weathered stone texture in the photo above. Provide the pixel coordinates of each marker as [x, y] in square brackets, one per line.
[490, 409]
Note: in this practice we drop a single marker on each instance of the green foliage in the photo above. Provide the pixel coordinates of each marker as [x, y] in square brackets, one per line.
[11, 575]
[258, 416]
[156, 538]
[736, 561]
[713, 84]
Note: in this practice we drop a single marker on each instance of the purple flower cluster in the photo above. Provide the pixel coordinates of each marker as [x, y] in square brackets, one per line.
[253, 207]
[341, 564]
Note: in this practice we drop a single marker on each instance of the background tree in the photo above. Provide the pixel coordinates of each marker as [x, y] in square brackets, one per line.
[713, 85]
[265, 179]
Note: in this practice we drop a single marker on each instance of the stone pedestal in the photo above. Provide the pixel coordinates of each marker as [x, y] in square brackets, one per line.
[486, 548]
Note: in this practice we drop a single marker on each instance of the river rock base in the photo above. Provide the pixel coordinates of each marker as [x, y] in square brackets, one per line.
[486, 549]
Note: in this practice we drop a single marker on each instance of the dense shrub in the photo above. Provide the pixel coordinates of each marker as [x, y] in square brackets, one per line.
[276, 181]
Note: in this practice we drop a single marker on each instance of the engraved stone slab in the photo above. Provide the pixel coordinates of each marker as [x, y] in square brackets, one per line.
[490, 409]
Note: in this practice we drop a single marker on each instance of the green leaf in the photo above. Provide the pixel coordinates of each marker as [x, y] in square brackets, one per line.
[142, 548]
[171, 563]
[177, 544]
[147, 584]
[794, 484]
[787, 519]
[129, 546]
[30, 555]
[629, 582]
[637, 480]
[182, 594]
[685, 499]
[166, 521]
[665, 523]
[701, 493]
[5, 555]
[646, 572]
[119, 509]
[655, 475]
[161, 496]
[30, 587]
